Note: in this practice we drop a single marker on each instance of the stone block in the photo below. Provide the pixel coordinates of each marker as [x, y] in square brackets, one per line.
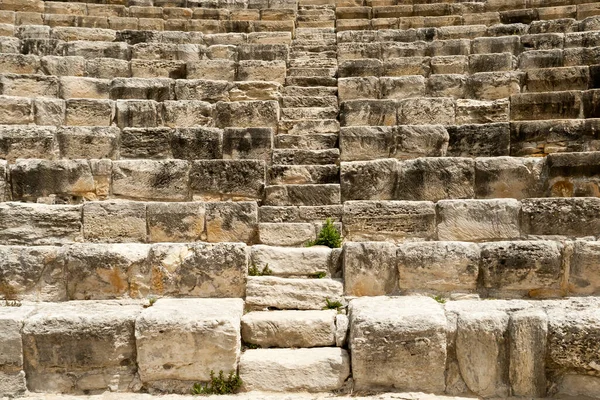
[227, 179]
[413, 141]
[359, 88]
[481, 112]
[368, 180]
[317, 370]
[444, 267]
[478, 220]
[299, 329]
[27, 142]
[138, 113]
[157, 89]
[187, 113]
[105, 68]
[211, 69]
[425, 111]
[404, 338]
[495, 85]
[570, 217]
[204, 90]
[92, 142]
[176, 222]
[16, 110]
[285, 234]
[370, 269]
[486, 140]
[365, 142]
[492, 62]
[194, 335]
[151, 180]
[197, 143]
[269, 292]
[368, 112]
[52, 342]
[89, 112]
[403, 87]
[302, 194]
[572, 174]
[556, 79]
[551, 105]
[173, 69]
[247, 143]
[389, 220]
[114, 222]
[583, 272]
[247, 114]
[255, 70]
[145, 143]
[232, 221]
[285, 261]
[508, 177]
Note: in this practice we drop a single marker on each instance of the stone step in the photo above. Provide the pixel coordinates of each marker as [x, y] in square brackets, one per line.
[316, 91]
[313, 46]
[302, 174]
[295, 214]
[305, 61]
[309, 101]
[302, 194]
[315, 34]
[309, 112]
[315, 370]
[310, 81]
[294, 262]
[305, 157]
[308, 127]
[268, 292]
[318, 141]
[326, 72]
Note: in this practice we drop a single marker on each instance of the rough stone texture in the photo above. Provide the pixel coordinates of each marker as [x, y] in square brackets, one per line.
[315, 370]
[55, 335]
[285, 234]
[212, 180]
[194, 336]
[368, 180]
[370, 268]
[584, 276]
[573, 174]
[39, 224]
[577, 217]
[508, 177]
[478, 220]
[438, 266]
[151, 180]
[247, 114]
[176, 222]
[32, 273]
[289, 328]
[285, 261]
[403, 338]
[286, 293]
[114, 221]
[232, 222]
[388, 220]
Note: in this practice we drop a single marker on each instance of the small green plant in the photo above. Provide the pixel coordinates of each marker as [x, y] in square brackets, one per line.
[332, 305]
[319, 275]
[439, 299]
[219, 384]
[151, 301]
[251, 346]
[253, 270]
[328, 236]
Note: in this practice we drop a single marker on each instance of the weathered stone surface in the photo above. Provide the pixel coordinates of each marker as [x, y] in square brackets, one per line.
[303, 174]
[438, 266]
[341, 330]
[247, 114]
[176, 222]
[89, 112]
[316, 370]
[146, 143]
[403, 338]
[479, 140]
[478, 220]
[289, 328]
[227, 179]
[53, 338]
[285, 234]
[285, 261]
[435, 178]
[302, 194]
[31, 273]
[27, 142]
[368, 112]
[577, 217]
[88, 142]
[40, 224]
[388, 220]
[5, 190]
[151, 180]
[436, 110]
[368, 180]
[528, 331]
[187, 113]
[508, 177]
[412, 141]
[370, 269]
[573, 174]
[197, 143]
[232, 222]
[247, 143]
[291, 293]
[195, 336]
[365, 142]
[579, 386]
[114, 222]
[583, 272]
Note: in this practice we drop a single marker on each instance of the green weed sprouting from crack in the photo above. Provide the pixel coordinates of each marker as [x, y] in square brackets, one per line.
[219, 384]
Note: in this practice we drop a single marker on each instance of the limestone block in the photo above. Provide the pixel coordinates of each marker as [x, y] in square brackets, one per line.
[502, 44]
[291, 328]
[114, 222]
[433, 111]
[32, 85]
[53, 338]
[302, 194]
[402, 87]
[555, 79]
[583, 274]
[316, 370]
[531, 268]
[305, 157]
[363, 67]
[527, 137]
[232, 221]
[105, 68]
[194, 335]
[195, 270]
[151, 180]
[265, 52]
[435, 178]
[211, 69]
[88, 49]
[447, 85]
[176, 222]
[205, 90]
[577, 217]
[247, 114]
[478, 220]
[487, 140]
[146, 143]
[438, 266]
[49, 111]
[138, 113]
[255, 70]
[187, 113]
[269, 292]
[254, 90]
[370, 268]
[39, 224]
[579, 385]
[103, 271]
[407, 66]
[19, 63]
[158, 68]
[482, 351]
[89, 112]
[31, 273]
[404, 338]
[508, 177]
[91, 142]
[367, 87]
[285, 234]
[572, 174]
[158, 89]
[285, 261]
[368, 112]
[388, 220]
[412, 141]
[368, 180]
[79, 87]
[27, 142]
[247, 143]
[491, 62]
[495, 85]
[341, 330]
[528, 331]
[551, 105]
[481, 112]
[16, 110]
[365, 142]
[227, 179]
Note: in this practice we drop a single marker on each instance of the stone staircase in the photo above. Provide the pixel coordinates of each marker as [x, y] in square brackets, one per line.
[163, 164]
